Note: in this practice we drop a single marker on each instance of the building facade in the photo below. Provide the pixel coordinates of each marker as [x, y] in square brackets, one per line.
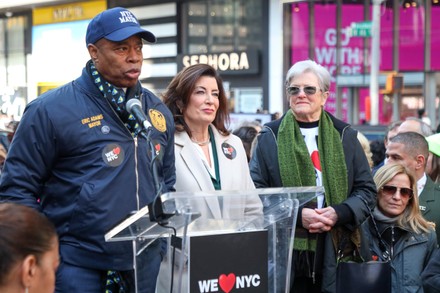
[251, 42]
[338, 35]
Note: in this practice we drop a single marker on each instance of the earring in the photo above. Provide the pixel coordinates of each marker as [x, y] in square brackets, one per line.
[26, 290]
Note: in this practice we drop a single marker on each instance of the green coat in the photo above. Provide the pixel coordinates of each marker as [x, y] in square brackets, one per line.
[429, 203]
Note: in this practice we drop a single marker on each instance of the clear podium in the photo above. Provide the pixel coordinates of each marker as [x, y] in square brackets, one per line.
[270, 212]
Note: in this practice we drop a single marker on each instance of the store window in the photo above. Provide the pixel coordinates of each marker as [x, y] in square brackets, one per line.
[13, 82]
[435, 37]
[227, 34]
[3, 71]
[222, 25]
[411, 38]
[314, 35]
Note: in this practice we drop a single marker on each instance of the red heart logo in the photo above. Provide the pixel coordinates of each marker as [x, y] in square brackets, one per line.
[227, 282]
[315, 160]
[117, 150]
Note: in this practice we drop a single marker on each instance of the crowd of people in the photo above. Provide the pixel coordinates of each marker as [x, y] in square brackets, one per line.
[412, 146]
[81, 160]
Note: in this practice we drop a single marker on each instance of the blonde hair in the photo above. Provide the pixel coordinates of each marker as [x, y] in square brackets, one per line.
[365, 143]
[411, 216]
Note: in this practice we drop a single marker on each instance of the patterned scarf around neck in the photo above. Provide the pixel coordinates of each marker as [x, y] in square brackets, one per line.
[117, 98]
[296, 167]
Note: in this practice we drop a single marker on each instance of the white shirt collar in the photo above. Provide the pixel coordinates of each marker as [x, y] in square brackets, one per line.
[421, 184]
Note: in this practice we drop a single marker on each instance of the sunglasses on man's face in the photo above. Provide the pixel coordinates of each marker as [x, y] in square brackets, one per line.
[308, 90]
[391, 190]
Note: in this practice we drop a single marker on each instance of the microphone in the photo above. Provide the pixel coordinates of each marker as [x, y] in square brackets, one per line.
[134, 107]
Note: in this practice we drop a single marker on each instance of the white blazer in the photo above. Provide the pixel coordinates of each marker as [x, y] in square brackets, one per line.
[192, 175]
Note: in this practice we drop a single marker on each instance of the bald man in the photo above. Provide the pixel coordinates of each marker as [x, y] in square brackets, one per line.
[415, 125]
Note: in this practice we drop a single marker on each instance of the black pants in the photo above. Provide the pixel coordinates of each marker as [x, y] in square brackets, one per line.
[306, 285]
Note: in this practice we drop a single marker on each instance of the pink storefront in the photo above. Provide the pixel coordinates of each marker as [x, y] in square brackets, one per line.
[409, 42]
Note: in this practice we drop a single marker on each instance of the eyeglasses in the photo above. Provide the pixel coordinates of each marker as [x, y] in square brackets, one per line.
[308, 90]
[391, 190]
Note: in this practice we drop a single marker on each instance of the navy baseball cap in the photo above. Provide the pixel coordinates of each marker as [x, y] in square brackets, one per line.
[116, 24]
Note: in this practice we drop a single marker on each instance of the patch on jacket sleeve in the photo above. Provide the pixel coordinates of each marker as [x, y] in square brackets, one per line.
[229, 151]
[158, 120]
[113, 155]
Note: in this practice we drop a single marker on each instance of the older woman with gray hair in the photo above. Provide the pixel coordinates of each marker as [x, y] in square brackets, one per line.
[310, 147]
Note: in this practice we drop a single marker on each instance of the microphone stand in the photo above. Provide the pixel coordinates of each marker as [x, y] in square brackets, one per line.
[155, 207]
[156, 210]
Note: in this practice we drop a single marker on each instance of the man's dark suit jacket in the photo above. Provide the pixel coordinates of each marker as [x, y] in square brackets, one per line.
[429, 203]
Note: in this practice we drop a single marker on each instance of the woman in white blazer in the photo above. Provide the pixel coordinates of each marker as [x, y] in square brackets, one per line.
[208, 156]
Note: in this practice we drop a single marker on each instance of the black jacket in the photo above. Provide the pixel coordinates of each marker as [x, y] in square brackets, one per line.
[429, 203]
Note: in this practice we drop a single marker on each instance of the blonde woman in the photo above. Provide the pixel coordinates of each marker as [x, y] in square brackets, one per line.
[409, 238]
[365, 143]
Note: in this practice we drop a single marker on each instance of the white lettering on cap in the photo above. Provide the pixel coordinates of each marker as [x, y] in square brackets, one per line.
[126, 16]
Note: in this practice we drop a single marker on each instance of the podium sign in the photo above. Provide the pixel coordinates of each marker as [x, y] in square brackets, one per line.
[220, 263]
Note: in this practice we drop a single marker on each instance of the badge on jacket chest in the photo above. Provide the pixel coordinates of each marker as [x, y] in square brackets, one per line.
[229, 151]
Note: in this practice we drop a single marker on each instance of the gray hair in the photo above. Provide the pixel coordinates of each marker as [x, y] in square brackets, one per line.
[304, 66]
[425, 129]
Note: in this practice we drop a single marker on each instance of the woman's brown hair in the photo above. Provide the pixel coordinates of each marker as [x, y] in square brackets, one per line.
[23, 231]
[179, 91]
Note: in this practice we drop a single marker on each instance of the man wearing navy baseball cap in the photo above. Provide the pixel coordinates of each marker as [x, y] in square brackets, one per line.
[80, 157]
[116, 24]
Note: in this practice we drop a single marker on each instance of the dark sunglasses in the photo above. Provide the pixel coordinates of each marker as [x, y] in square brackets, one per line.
[308, 90]
[391, 190]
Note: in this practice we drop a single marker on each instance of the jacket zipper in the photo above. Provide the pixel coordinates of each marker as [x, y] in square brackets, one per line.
[392, 242]
[343, 133]
[135, 150]
[136, 171]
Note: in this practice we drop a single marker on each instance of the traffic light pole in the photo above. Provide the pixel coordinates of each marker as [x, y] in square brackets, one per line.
[374, 71]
